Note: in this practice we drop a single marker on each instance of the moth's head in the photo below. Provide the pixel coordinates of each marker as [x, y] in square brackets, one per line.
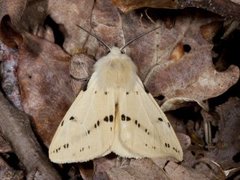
[116, 54]
[117, 51]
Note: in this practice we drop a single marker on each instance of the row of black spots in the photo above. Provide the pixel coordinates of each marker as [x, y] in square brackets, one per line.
[153, 147]
[125, 118]
[137, 124]
[175, 149]
[161, 120]
[108, 118]
[127, 93]
[65, 146]
[105, 92]
[146, 131]
[57, 150]
[97, 124]
[82, 149]
[167, 145]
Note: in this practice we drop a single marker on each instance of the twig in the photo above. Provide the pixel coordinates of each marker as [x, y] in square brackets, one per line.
[15, 127]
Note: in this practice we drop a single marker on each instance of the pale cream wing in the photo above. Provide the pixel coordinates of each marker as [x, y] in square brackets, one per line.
[87, 130]
[144, 129]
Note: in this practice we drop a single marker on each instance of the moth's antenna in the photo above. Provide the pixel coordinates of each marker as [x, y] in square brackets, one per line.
[103, 43]
[141, 35]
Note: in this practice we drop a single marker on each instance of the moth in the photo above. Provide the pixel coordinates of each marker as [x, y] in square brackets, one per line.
[114, 114]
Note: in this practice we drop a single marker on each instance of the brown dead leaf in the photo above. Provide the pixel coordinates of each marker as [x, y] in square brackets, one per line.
[228, 8]
[67, 16]
[133, 169]
[44, 81]
[129, 5]
[25, 15]
[227, 149]
[80, 71]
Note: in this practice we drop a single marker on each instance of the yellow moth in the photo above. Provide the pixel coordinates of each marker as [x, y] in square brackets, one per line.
[114, 114]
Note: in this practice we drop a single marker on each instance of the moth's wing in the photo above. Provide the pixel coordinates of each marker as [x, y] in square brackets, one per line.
[144, 128]
[117, 146]
[87, 129]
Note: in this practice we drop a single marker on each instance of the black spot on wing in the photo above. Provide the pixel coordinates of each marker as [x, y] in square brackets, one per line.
[169, 125]
[65, 146]
[106, 119]
[176, 150]
[167, 145]
[71, 118]
[160, 119]
[111, 118]
[123, 117]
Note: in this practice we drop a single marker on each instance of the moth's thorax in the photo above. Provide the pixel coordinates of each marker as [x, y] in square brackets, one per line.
[116, 70]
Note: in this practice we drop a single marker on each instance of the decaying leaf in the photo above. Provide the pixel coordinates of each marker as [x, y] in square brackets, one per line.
[227, 140]
[44, 81]
[229, 8]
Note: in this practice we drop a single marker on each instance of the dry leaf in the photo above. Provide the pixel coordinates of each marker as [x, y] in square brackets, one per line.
[227, 140]
[44, 81]
[228, 8]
